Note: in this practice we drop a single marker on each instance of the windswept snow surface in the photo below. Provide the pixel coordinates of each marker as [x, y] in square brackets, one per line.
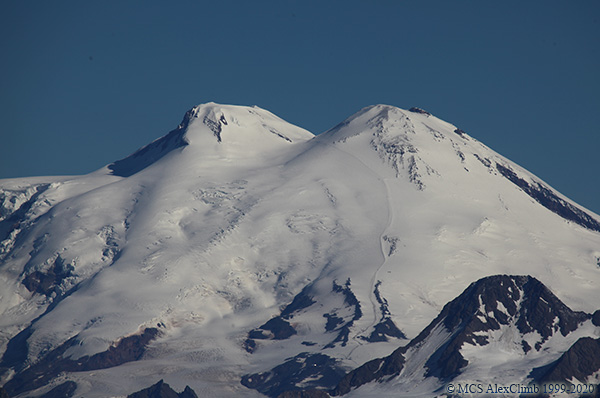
[210, 233]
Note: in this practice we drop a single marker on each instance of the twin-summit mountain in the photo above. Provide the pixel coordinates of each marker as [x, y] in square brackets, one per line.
[243, 256]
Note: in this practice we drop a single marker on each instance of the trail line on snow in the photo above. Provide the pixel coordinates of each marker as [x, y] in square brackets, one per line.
[373, 281]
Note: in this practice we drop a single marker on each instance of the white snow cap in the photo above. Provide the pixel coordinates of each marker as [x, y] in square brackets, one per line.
[250, 128]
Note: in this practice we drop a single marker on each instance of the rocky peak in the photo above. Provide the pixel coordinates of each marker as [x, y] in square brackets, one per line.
[491, 303]
[486, 305]
[163, 390]
[501, 299]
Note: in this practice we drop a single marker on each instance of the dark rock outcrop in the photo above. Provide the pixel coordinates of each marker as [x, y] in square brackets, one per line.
[524, 300]
[349, 298]
[304, 394]
[386, 327]
[16, 351]
[279, 328]
[308, 370]
[301, 301]
[216, 126]
[163, 390]
[333, 321]
[549, 200]
[460, 132]
[154, 151]
[45, 282]
[128, 349]
[352, 303]
[375, 369]
[581, 360]
[13, 219]
[64, 390]
[414, 109]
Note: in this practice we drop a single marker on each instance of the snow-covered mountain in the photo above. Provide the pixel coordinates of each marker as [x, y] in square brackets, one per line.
[242, 255]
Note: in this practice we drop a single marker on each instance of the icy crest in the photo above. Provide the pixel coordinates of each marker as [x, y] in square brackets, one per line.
[244, 132]
[231, 124]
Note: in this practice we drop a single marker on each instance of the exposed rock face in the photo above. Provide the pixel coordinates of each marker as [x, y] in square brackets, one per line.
[14, 205]
[596, 318]
[279, 327]
[310, 370]
[489, 303]
[301, 301]
[581, 360]
[163, 390]
[485, 306]
[383, 330]
[48, 281]
[460, 132]
[152, 152]
[494, 301]
[386, 327]
[16, 352]
[399, 151]
[375, 369]
[216, 125]
[304, 394]
[414, 109]
[550, 201]
[128, 349]
[64, 390]
[350, 301]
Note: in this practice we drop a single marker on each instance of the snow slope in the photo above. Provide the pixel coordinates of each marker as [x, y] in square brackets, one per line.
[206, 234]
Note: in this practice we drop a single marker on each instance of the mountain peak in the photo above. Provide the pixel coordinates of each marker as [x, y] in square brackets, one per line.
[366, 121]
[241, 121]
[244, 132]
[232, 132]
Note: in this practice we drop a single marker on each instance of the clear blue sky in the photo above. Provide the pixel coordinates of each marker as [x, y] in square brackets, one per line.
[84, 83]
